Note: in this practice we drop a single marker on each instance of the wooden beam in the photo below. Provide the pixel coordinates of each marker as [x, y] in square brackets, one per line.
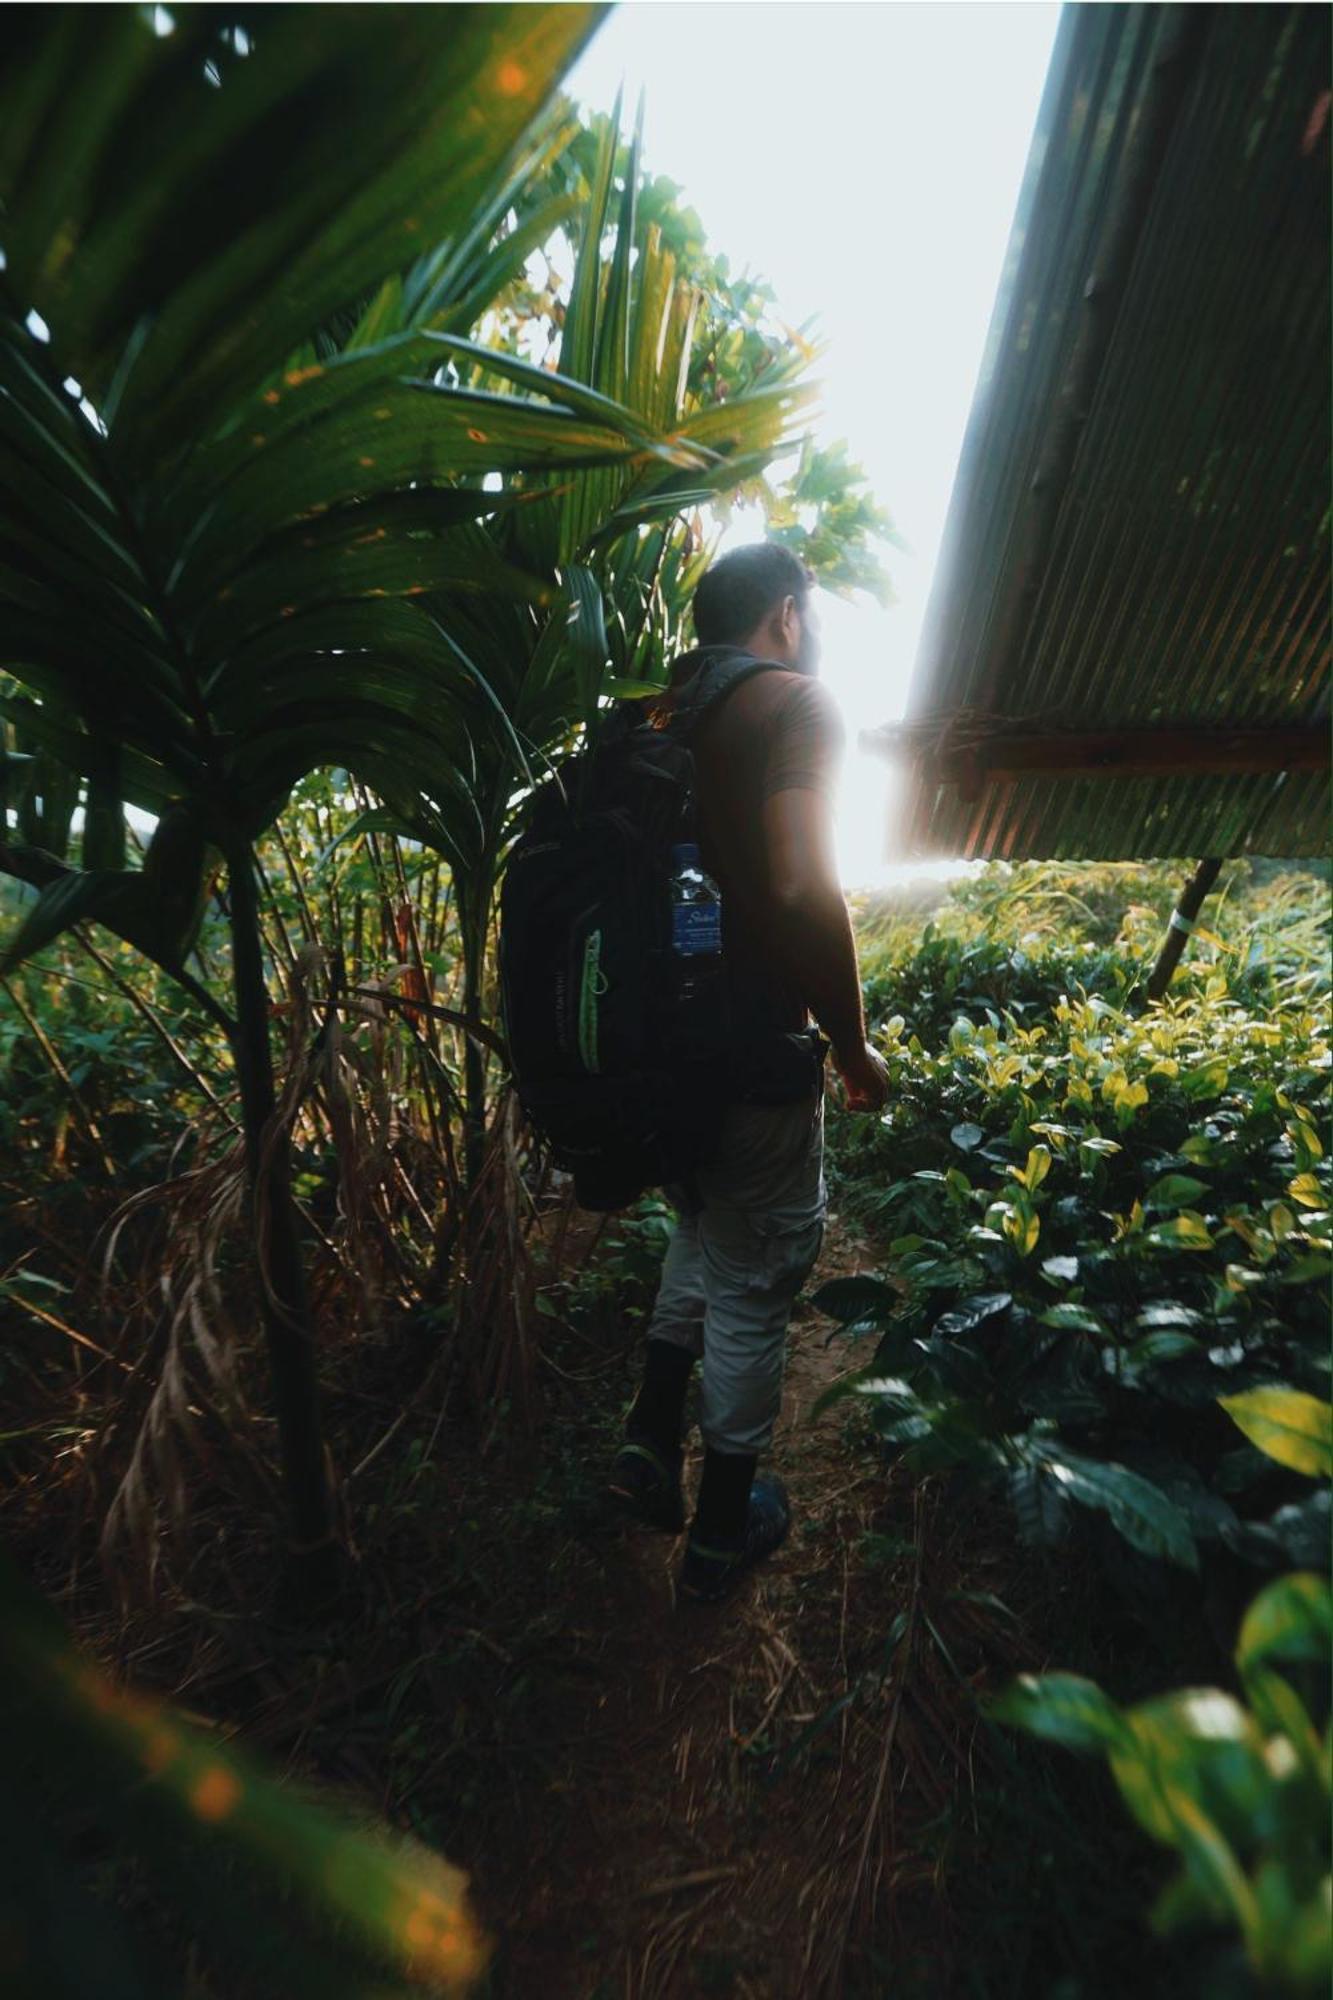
[1170, 752]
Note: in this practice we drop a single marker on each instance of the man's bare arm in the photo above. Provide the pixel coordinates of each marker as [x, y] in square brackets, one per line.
[813, 934]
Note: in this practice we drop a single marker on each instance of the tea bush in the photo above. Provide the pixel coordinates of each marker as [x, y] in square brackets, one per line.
[1240, 1789]
[1099, 1218]
[1103, 1242]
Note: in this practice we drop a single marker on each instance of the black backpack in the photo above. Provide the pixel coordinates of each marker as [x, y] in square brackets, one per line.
[627, 1084]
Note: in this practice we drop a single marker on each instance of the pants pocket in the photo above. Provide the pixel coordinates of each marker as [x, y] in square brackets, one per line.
[789, 1252]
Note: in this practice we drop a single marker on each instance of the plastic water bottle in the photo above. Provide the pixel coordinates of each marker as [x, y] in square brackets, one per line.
[696, 924]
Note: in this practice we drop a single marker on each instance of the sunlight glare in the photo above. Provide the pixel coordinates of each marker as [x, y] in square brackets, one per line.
[885, 144]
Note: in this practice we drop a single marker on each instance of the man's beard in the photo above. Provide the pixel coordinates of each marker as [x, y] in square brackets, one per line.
[807, 652]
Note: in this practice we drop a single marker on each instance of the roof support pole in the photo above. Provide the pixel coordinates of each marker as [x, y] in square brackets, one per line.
[1180, 926]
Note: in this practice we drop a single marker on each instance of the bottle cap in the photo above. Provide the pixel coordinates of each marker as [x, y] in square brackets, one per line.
[685, 853]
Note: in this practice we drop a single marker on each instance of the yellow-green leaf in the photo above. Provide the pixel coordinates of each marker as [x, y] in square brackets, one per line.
[1287, 1424]
[1292, 1618]
[1022, 1228]
[1186, 1231]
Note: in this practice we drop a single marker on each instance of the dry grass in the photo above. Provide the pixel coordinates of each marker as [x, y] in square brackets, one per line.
[652, 1800]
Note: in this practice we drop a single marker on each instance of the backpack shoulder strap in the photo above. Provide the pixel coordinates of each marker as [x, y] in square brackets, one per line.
[713, 683]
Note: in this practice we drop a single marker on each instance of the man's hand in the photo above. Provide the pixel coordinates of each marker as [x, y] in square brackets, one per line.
[865, 1077]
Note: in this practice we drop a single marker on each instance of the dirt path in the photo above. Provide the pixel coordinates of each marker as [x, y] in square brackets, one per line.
[654, 1801]
[701, 1839]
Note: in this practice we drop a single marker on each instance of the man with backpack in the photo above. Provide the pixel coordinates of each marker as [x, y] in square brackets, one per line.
[766, 747]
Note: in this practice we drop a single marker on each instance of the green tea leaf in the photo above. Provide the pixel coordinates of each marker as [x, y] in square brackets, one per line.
[1155, 1348]
[1075, 1319]
[974, 1312]
[855, 1298]
[1294, 1428]
[1168, 1312]
[1200, 1743]
[1174, 1191]
[1291, 1620]
[1206, 1079]
[1186, 1231]
[1060, 1708]
[1306, 1270]
[1306, 1190]
[1141, 1512]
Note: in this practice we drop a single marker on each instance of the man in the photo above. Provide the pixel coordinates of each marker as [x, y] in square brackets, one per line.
[765, 764]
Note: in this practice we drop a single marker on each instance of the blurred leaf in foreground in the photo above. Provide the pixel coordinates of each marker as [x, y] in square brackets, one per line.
[263, 1878]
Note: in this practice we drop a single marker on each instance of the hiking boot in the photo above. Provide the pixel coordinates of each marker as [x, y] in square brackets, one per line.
[644, 1482]
[711, 1570]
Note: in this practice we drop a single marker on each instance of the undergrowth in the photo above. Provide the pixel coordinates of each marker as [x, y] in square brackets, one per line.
[1102, 1294]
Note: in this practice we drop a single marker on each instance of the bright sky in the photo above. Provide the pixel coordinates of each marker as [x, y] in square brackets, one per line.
[863, 156]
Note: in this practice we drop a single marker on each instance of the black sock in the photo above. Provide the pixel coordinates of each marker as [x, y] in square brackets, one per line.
[660, 1405]
[724, 1496]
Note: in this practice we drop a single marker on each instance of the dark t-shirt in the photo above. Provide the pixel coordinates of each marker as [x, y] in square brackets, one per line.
[778, 731]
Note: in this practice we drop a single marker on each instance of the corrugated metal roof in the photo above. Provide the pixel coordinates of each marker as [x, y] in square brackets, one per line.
[1138, 535]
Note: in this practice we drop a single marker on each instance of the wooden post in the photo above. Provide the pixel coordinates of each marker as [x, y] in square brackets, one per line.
[1182, 923]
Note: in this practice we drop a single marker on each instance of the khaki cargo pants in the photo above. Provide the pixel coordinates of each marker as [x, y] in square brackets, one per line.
[734, 1267]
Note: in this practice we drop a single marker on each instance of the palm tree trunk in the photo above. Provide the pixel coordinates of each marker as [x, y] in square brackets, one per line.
[283, 1300]
[472, 937]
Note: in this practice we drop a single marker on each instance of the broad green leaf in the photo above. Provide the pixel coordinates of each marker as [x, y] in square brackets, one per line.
[1291, 1620]
[1060, 1708]
[1168, 1312]
[896, 1393]
[1022, 1227]
[394, 1899]
[967, 1137]
[856, 1298]
[620, 690]
[1162, 1346]
[1075, 1319]
[120, 902]
[1294, 1428]
[1138, 1509]
[972, 1313]
[1174, 1191]
[1305, 1189]
[1182, 1905]
[1279, 1710]
[1306, 1270]
[1212, 1861]
[1186, 1231]
[1295, 1945]
[1205, 1079]
[1199, 1743]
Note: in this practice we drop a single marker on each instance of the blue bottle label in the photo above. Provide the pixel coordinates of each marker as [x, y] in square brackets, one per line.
[696, 929]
